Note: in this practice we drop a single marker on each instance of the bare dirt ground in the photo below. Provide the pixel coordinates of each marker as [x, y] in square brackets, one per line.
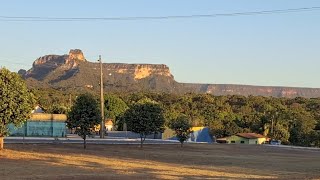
[194, 161]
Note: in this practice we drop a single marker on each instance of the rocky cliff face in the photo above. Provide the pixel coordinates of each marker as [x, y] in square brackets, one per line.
[139, 71]
[45, 65]
[73, 71]
[246, 90]
[75, 54]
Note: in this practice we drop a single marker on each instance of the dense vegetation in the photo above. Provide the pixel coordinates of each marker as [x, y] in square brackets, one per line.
[293, 121]
[181, 127]
[144, 118]
[16, 101]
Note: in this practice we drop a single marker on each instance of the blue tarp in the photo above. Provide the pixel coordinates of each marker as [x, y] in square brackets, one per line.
[199, 135]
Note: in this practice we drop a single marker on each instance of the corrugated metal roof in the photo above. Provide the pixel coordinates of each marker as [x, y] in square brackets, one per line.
[250, 135]
[109, 122]
[48, 117]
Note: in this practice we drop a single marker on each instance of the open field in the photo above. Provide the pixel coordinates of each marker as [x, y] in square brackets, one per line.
[194, 161]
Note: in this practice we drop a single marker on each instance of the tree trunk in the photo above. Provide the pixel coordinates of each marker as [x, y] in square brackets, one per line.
[143, 138]
[84, 143]
[141, 142]
[181, 144]
[1, 143]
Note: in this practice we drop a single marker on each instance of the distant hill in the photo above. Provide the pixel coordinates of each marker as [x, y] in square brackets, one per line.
[72, 71]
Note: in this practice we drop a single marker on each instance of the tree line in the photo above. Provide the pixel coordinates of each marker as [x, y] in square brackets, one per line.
[144, 117]
[294, 121]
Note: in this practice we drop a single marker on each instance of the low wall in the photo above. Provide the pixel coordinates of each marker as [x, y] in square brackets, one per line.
[132, 135]
[41, 125]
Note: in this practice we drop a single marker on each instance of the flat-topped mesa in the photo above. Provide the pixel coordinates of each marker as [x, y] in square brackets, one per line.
[73, 70]
[246, 90]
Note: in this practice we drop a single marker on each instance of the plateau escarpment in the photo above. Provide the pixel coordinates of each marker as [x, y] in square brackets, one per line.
[73, 71]
[46, 65]
[247, 90]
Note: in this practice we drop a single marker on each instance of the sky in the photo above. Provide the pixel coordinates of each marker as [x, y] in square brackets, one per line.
[271, 50]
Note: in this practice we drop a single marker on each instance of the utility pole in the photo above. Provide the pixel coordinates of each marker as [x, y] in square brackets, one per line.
[70, 101]
[272, 127]
[101, 100]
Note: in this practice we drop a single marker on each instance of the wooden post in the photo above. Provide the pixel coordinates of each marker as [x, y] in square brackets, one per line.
[1, 143]
[102, 125]
[84, 143]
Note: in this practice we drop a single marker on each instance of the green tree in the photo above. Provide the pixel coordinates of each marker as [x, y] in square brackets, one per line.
[16, 101]
[84, 115]
[302, 125]
[133, 98]
[114, 108]
[182, 128]
[315, 138]
[145, 119]
[58, 109]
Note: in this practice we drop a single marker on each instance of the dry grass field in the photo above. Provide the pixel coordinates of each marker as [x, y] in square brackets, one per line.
[194, 161]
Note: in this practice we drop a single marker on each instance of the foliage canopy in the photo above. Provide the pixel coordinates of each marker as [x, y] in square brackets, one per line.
[145, 119]
[114, 108]
[182, 128]
[294, 121]
[16, 102]
[84, 116]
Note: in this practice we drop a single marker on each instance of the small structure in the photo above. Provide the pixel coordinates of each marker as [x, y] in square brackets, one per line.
[247, 138]
[37, 109]
[109, 125]
[199, 134]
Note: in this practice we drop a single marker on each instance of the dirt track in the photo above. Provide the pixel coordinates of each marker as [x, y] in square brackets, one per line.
[194, 161]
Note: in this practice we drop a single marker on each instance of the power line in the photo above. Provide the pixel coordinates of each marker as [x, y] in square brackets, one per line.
[252, 13]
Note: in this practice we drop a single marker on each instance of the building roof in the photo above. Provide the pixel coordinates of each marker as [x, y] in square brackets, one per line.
[250, 135]
[47, 117]
[221, 139]
[109, 122]
[37, 109]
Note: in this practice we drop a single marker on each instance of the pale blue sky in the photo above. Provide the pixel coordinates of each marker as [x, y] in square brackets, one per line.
[276, 49]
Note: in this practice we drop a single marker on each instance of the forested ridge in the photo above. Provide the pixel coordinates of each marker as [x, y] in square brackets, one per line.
[294, 121]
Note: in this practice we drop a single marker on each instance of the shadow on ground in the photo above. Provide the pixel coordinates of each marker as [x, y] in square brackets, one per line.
[70, 161]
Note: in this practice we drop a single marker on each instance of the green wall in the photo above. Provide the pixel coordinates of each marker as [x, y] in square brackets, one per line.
[39, 129]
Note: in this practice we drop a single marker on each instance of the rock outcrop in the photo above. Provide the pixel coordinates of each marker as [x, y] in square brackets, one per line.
[73, 71]
[76, 54]
[139, 71]
[45, 65]
[247, 90]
